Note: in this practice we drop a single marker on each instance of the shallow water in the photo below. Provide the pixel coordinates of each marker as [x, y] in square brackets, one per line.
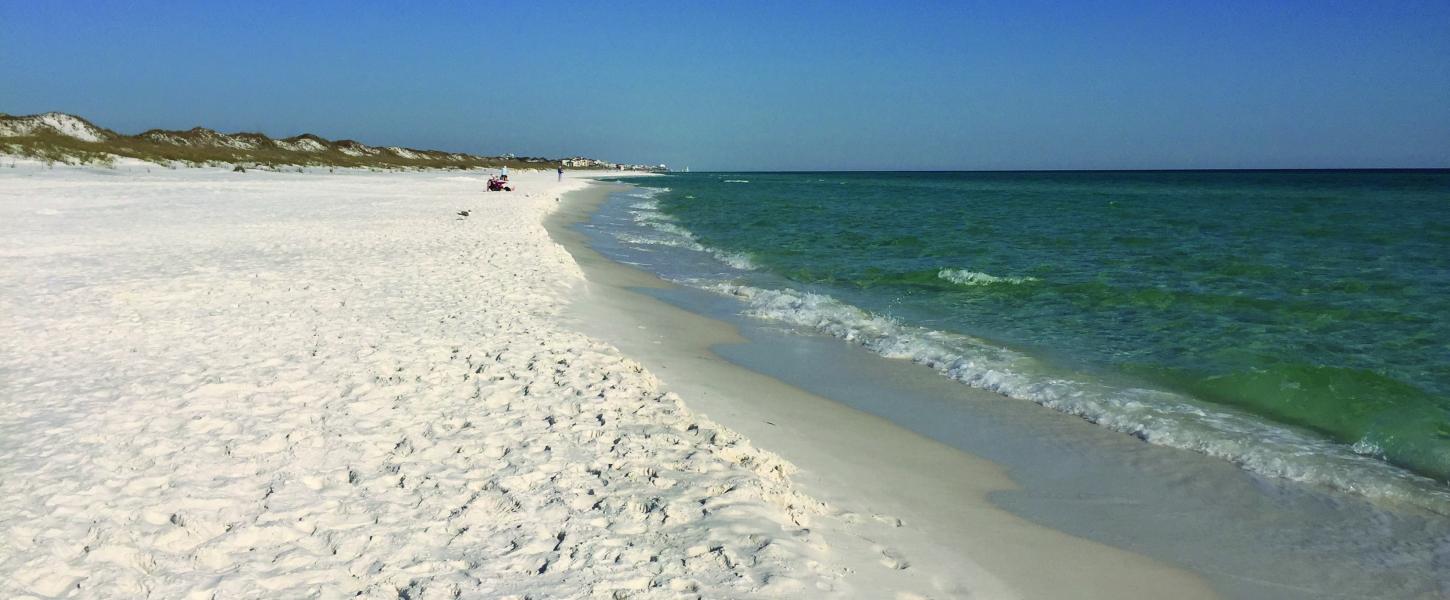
[1288, 322]
[1248, 535]
[1252, 535]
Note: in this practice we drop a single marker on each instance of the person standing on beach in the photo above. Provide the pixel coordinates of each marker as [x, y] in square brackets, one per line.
[561, 173]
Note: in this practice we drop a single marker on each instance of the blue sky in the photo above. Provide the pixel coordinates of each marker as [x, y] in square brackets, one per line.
[737, 85]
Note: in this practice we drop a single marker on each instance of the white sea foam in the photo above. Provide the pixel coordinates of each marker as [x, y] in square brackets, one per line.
[646, 213]
[647, 192]
[642, 240]
[736, 181]
[965, 277]
[1155, 416]
[1365, 447]
[734, 259]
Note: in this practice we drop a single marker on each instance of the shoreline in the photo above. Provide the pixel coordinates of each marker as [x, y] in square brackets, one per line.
[1248, 535]
[848, 458]
[361, 385]
[305, 382]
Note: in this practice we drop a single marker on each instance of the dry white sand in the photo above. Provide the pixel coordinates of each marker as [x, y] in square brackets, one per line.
[247, 385]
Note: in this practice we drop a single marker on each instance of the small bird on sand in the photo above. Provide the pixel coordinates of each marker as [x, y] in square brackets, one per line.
[463, 213]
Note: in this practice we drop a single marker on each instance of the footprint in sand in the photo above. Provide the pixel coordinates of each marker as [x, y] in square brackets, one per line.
[891, 559]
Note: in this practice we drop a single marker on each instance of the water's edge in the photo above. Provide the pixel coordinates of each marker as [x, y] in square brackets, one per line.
[1307, 353]
[937, 496]
[1252, 536]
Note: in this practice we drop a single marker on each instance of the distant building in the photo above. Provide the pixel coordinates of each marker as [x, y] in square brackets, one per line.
[580, 162]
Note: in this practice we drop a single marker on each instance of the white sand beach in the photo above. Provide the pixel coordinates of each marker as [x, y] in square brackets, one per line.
[281, 385]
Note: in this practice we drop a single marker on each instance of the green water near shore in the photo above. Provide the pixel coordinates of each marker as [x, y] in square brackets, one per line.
[1316, 301]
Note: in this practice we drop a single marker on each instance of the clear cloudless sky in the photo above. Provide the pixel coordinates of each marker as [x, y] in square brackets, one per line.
[770, 85]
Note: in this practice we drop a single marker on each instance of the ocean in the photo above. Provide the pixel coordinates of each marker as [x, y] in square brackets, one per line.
[1290, 322]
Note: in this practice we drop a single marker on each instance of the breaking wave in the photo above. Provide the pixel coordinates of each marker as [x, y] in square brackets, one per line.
[665, 231]
[1317, 448]
[965, 277]
[1155, 416]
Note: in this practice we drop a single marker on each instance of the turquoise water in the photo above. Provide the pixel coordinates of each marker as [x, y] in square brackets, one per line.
[1292, 322]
